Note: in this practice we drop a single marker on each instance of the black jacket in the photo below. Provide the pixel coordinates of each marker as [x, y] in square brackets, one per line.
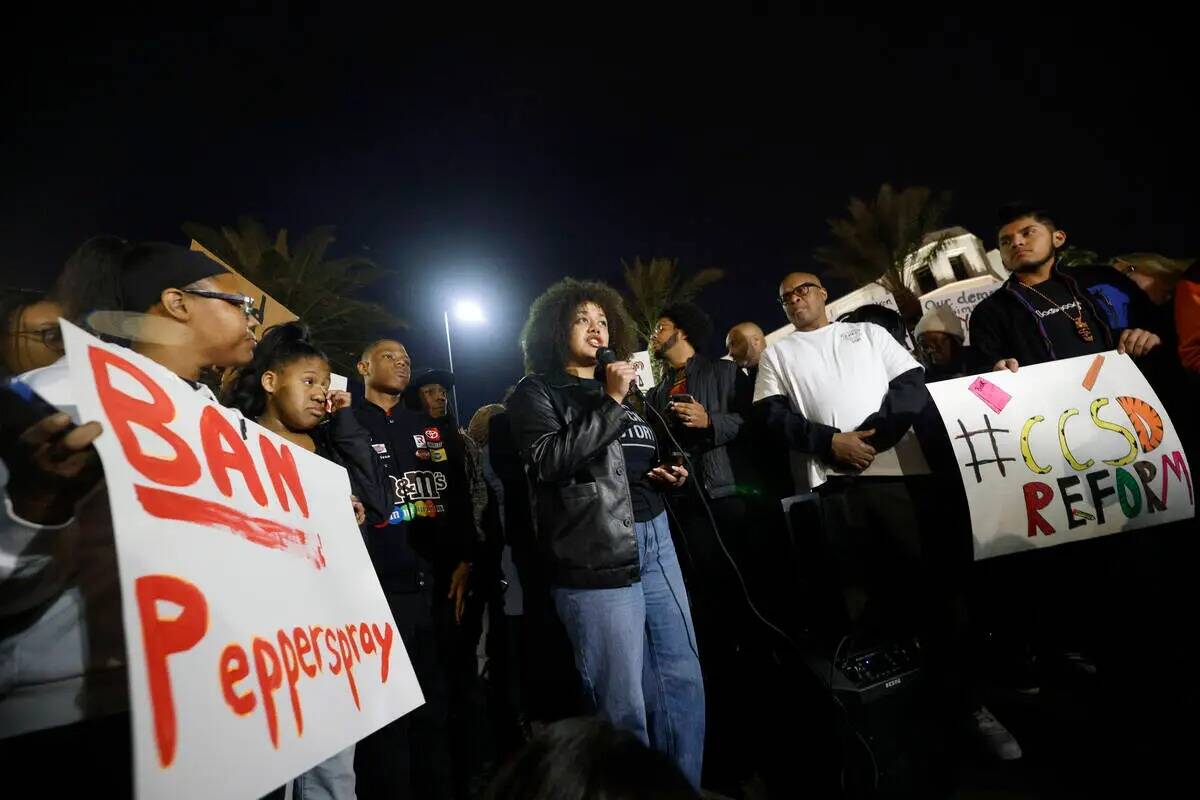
[346, 443]
[431, 527]
[568, 434]
[1004, 325]
[714, 385]
[505, 457]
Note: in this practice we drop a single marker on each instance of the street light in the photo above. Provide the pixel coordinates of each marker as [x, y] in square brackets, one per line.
[464, 311]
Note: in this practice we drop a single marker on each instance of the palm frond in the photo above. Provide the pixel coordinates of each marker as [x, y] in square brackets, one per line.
[326, 293]
[874, 242]
[653, 285]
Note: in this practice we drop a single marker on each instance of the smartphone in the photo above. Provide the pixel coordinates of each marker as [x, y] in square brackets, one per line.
[681, 398]
[674, 459]
[22, 406]
[20, 409]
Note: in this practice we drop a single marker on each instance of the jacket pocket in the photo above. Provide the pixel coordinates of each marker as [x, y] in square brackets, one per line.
[580, 491]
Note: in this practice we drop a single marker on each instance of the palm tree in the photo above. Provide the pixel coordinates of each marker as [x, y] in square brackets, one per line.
[322, 292]
[875, 243]
[655, 284]
[1072, 256]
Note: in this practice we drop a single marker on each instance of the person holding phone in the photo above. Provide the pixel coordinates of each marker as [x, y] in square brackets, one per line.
[699, 399]
[598, 479]
[63, 683]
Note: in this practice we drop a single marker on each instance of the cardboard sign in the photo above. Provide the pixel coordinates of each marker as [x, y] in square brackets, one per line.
[270, 311]
[259, 642]
[1062, 452]
[645, 375]
[962, 297]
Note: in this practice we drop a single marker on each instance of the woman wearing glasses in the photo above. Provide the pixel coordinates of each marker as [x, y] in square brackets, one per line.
[31, 337]
[29, 331]
[600, 517]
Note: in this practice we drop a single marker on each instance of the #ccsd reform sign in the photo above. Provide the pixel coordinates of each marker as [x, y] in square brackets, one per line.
[1063, 451]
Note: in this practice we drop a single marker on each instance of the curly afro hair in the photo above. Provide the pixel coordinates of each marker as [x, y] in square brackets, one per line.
[691, 319]
[544, 338]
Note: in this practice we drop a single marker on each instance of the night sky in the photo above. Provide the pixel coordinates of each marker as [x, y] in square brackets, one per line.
[489, 164]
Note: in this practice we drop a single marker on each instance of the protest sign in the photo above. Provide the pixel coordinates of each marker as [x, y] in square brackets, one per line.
[1062, 452]
[258, 639]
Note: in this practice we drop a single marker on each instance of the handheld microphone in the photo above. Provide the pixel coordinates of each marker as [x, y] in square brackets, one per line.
[606, 356]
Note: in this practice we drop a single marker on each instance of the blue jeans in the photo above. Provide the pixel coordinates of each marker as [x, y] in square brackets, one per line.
[332, 779]
[636, 652]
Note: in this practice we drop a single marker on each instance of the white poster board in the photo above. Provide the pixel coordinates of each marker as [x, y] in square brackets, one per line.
[258, 640]
[1062, 452]
[645, 375]
[962, 297]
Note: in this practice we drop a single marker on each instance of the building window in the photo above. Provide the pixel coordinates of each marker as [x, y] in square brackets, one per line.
[958, 265]
[925, 281]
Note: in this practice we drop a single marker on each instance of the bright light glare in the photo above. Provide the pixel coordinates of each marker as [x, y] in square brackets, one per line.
[468, 311]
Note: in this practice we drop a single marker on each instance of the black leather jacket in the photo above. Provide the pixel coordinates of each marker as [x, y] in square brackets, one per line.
[568, 433]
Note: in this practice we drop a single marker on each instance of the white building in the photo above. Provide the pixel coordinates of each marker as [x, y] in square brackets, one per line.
[961, 274]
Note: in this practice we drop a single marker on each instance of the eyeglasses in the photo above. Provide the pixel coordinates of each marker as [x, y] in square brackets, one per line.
[245, 301]
[798, 291]
[50, 337]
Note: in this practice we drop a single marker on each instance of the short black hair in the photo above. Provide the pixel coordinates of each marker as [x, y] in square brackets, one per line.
[690, 319]
[1011, 212]
[366, 353]
[587, 757]
[545, 335]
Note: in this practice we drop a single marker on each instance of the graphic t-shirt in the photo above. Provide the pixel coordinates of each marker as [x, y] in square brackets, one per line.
[641, 455]
[1059, 324]
[432, 507]
[836, 375]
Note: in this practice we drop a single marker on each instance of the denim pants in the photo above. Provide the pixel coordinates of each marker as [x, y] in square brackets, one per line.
[635, 648]
[332, 779]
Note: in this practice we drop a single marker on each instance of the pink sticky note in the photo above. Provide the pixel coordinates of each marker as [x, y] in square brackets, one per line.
[995, 397]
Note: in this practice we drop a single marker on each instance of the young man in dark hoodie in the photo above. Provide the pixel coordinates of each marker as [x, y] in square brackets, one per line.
[1043, 313]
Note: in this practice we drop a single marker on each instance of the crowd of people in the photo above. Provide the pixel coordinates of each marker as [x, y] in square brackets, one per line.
[599, 591]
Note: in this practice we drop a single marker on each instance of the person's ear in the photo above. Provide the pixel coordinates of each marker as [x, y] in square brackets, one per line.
[364, 368]
[175, 303]
[1059, 238]
[269, 381]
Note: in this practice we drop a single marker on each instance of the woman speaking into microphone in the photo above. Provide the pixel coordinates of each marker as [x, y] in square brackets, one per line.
[597, 480]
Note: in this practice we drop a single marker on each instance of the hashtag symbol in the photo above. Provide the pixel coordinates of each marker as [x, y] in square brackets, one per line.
[976, 462]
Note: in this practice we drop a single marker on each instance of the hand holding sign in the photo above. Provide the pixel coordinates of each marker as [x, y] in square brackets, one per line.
[55, 467]
[1137, 342]
[336, 400]
[259, 640]
[1078, 448]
